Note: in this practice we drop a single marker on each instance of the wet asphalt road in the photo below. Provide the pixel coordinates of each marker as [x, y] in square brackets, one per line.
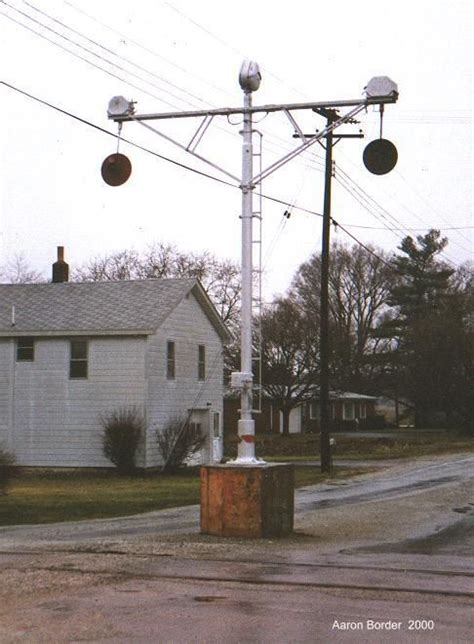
[386, 557]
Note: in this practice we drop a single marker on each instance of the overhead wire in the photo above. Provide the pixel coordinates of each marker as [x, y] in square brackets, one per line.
[222, 41]
[113, 53]
[364, 199]
[97, 44]
[274, 140]
[283, 222]
[140, 45]
[361, 198]
[282, 143]
[422, 198]
[366, 203]
[92, 53]
[91, 63]
[148, 150]
[416, 215]
[361, 244]
[173, 161]
[376, 209]
[182, 165]
[412, 230]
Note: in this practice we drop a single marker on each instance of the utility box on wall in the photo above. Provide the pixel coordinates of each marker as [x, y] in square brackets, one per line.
[247, 501]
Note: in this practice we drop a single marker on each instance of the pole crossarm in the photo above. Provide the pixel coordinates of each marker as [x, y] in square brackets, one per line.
[228, 111]
[309, 142]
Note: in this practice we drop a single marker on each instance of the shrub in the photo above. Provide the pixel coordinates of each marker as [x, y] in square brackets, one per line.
[177, 441]
[7, 462]
[123, 430]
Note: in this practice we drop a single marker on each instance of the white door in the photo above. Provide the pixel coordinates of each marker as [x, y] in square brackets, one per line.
[217, 437]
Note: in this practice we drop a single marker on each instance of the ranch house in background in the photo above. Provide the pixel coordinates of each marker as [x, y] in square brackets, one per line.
[71, 352]
[348, 411]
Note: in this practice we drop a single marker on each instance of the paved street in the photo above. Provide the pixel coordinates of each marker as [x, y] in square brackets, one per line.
[368, 555]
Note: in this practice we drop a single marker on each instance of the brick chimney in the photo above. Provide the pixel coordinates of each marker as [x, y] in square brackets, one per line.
[60, 267]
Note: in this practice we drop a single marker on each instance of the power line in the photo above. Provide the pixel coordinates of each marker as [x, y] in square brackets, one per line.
[421, 118]
[414, 214]
[92, 53]
[144, 149]
[107, 61]
[422, 198]
[144, 48]
[112, 134]
[275, 137]
[181, 165]
[224, 43]
[89, 62]
[392, 230]
[412, 230]
[366, 204]
[367, 248]
[110, 51]
[369, 204]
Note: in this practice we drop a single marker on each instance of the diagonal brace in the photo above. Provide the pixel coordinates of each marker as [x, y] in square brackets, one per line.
[308, 143]
[186, 149]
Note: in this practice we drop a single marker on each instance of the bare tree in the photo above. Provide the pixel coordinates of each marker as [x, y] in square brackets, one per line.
[219, 278]
[17, 271]
[289, 356]
[359, 283]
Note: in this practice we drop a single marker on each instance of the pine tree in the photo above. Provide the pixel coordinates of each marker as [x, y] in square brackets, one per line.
[429, 356]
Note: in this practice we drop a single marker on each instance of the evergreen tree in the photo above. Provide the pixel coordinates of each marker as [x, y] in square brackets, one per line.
[430, 353]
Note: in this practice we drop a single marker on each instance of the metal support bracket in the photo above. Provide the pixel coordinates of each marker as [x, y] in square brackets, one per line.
[196, 139]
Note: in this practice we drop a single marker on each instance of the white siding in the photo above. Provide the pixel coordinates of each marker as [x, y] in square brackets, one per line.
[56, 419]
[6, 375]
[188, 327]
[294, 421]
[48, 419]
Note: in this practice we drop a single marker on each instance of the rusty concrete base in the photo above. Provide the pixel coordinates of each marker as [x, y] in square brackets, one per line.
[247, 501]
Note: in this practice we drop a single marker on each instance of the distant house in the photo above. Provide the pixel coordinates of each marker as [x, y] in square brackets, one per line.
[347, 410]
[396, 411]
[70, 352]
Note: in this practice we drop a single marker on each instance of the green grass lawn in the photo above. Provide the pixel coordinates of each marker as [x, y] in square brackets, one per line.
[45, 496]
[395, 444]
[41, 496]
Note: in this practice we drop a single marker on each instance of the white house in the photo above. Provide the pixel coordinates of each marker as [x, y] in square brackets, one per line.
[70, 352]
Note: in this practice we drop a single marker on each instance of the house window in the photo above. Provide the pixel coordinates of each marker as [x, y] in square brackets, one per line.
[201, 362]
[216, 424]
[170, 361]
[78, 362]
[314, 411]
[362, 410]
[25, 349]
[348, 412]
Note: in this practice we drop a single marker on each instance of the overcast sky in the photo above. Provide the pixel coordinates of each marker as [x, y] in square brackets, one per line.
[183, 55]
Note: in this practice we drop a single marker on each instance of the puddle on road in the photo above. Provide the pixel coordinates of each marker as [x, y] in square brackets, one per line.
[374, 495]
[456, 539]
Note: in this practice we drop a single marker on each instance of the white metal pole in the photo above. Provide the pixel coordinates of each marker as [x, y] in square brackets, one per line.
[246, 424]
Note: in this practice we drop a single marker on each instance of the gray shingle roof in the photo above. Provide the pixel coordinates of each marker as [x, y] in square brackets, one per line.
[100, 307]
